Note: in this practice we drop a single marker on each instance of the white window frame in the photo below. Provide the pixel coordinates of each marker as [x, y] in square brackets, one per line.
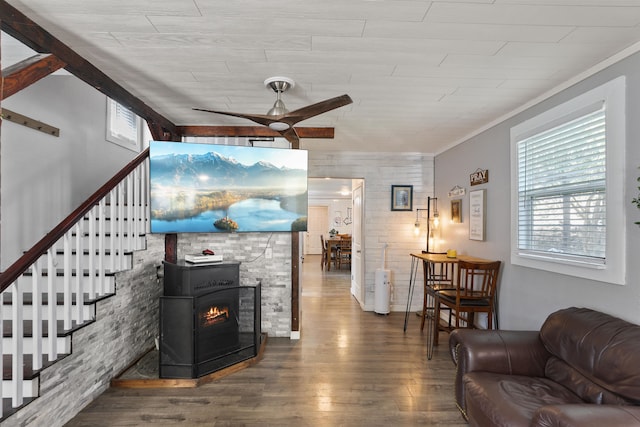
[117, 138]
[613, 270]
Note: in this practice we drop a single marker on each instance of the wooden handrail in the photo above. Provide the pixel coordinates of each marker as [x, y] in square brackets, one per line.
[16, 269]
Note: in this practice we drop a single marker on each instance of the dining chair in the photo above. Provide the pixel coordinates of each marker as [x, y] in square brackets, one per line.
[438, 276]
[343, 253]
[325, 257]
[475, 290]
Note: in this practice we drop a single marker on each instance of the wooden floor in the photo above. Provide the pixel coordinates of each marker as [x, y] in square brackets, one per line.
[350, 368]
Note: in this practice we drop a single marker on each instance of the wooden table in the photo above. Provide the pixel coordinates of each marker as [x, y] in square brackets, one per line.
[424, 258]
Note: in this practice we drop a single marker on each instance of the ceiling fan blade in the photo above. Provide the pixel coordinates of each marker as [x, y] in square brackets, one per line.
[312, 110]
[292, 136]
[261, 119]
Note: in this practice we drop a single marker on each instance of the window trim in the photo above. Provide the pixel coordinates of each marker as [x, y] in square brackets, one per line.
[133, 145]
[613, 270]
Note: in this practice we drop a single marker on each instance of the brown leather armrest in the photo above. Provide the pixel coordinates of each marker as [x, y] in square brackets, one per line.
[502, 352]
[586, 415]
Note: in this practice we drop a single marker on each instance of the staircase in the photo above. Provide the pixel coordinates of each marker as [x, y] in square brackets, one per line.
[52, 290]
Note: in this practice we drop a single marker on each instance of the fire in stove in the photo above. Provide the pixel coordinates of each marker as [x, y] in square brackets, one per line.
[214, 316]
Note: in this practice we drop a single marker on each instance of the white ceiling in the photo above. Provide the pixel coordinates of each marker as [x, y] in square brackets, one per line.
[422, 74]
[329, 188]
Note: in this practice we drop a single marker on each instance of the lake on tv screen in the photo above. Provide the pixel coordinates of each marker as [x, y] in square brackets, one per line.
[249, 215]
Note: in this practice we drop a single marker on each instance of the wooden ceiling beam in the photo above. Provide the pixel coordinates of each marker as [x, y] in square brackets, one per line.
[20, 27]
[25, 73]
[245, 131]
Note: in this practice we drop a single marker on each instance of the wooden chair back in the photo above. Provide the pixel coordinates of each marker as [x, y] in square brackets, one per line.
[477, 280]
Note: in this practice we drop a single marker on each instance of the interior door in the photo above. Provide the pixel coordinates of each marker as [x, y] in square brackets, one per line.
[357, 262]
[317, 220]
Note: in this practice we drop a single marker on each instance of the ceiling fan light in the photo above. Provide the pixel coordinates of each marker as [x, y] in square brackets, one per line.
[279, 126]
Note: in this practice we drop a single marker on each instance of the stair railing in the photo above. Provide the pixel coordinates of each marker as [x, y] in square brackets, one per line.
[124, 199]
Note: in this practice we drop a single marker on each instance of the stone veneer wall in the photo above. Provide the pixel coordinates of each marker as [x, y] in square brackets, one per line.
[263, 257]
[125, 328]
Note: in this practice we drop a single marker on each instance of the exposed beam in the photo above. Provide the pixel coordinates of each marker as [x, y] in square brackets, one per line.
[25, 73]
[20, 27]
[303, 132]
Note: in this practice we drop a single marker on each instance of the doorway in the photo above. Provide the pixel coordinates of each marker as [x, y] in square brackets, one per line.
[330, 209]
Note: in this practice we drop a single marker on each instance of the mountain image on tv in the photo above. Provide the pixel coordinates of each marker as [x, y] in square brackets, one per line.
[221, 188]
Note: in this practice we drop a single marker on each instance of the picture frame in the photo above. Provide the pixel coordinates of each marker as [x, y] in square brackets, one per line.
[456, 211]
[477, 214]
[402, 197]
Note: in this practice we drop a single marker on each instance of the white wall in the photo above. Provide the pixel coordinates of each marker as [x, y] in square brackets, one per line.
[527, 295]
[39, 170]
[336, 208]
[381, 225]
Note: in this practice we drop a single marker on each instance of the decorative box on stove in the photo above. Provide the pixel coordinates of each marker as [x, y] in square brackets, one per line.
[207, 320]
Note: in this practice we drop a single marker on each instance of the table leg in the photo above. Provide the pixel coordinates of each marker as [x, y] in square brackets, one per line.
[412, 280]
[432, 324]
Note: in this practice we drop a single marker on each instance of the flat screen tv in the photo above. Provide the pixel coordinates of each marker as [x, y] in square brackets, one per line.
[207, 188]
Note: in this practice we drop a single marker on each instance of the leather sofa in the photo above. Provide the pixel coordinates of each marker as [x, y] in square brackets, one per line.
[581, 369]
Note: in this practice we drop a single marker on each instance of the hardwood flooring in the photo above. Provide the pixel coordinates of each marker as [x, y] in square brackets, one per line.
[350, 368]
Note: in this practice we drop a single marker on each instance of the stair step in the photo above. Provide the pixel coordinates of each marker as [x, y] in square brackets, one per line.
[125, 262]
[25, 283]
[7, 325]
[88, 308]
[27, 298]
[28, 372]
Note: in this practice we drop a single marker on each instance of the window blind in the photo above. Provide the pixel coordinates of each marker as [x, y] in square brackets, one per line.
[562, 190]
[123, 122]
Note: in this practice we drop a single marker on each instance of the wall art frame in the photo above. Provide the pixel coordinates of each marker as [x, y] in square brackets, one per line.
[402, 197]
[477, 214]
[456, 211]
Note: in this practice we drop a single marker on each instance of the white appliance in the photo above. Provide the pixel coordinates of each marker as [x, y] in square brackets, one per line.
[382, 292]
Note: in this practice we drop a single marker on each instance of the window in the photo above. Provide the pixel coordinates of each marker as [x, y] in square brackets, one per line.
[567, 187]
[123, 126]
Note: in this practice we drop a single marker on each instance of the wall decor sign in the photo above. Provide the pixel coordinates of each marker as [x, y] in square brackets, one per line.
[457, 191]
[477, 210]
[402, 197]
[480, 176]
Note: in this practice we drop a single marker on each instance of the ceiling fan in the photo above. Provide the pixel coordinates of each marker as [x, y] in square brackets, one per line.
[281, 120]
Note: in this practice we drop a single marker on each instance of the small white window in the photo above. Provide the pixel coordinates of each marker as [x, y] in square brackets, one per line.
[567, 187]
[123, 126]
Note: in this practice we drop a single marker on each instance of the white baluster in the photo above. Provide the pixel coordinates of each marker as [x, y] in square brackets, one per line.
[17, 355]
[147, 196]
[67, 280]
[91, 280]
[136, 208]
[36, 322]
[79, 291]
[121, 225]
[52, 314]
[102, 250]
[130, 217]
[113, 200]
[1, 346]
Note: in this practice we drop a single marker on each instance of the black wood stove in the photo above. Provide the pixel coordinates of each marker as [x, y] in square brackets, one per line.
[207, 320]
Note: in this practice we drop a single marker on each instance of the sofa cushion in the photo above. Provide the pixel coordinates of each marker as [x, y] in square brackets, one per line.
[510, 400]
[601, 348]
[566, 375]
